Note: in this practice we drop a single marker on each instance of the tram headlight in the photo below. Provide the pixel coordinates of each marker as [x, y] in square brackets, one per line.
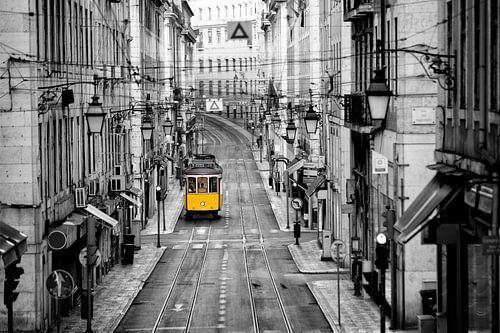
[202, 203]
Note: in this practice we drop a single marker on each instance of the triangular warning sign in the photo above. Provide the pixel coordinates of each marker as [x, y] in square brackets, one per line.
[214, 106]
[239, 32]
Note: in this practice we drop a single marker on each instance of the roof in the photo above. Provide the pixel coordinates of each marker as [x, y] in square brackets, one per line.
[203, 171]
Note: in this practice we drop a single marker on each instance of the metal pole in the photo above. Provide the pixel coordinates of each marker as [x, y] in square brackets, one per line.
[338, 282]
[158, 234]
[494, 264]
[163, 210]
[382, 299]
[287, 189]
[89, 275]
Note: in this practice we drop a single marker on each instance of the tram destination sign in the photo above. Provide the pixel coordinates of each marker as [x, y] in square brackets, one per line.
[491, 245]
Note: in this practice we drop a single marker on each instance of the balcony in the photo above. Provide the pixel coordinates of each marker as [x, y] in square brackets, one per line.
[189, 34]
[357, 9]
[357, 115]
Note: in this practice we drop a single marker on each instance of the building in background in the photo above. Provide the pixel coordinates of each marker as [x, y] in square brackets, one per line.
[229, 68]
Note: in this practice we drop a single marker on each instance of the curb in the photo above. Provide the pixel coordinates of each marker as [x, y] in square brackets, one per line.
[124, 310]
[325, 305]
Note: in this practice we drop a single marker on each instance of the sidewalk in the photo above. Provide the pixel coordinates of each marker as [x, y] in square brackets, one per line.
[120, 286]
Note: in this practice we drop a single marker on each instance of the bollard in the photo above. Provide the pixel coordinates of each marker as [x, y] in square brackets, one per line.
[296, 231]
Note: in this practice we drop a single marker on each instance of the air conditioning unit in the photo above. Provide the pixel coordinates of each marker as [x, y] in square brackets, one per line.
[117, 183]
[80, 197]
[93, 187]
[118, 170]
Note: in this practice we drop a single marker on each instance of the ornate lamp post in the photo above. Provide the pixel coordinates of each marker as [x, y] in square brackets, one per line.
[95, 116]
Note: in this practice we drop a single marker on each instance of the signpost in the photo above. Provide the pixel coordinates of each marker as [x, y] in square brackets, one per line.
[338, 244]
[239, 30]
[214, 105]
[60, 285]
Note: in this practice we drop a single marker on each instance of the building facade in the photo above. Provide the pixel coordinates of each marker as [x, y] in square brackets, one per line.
[59, 54]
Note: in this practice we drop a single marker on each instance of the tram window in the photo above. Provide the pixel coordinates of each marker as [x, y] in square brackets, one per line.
[191, 185]
[202, 184]
[213, 185]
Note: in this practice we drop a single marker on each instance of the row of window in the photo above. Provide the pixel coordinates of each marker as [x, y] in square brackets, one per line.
[244, 64]
[237, 87]
[202, 184]
[228, 11]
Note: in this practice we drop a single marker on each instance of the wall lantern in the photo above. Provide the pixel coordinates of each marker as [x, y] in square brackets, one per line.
[378, 95]
[179, 122]
[276, 120]
[167, 126]
[311, 120]
[95, 116]
[291, 131]
[147, 129]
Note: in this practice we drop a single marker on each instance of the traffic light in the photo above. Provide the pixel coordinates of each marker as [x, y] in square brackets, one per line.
[381, 252]
[389, 219]
[12, 276]
[158, 193]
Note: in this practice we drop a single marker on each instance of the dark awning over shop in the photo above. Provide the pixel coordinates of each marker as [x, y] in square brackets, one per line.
[13, 244]
[130, 199]
[439, 191]
[315, 185]
[113, 224]
[135, 191]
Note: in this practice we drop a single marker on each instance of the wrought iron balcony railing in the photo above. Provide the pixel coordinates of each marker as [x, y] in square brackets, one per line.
[357, 9]
[356, 110]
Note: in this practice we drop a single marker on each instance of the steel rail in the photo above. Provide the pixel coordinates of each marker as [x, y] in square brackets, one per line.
[247, 273]
[266, 259]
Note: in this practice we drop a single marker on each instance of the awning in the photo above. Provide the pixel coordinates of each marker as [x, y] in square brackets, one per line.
[438, 192]
[130, 199]
[103, 216]
[315, 185]
[294, 165]
[135, 191]
[13, 243]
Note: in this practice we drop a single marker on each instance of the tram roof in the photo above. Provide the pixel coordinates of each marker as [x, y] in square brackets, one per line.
[202, 171]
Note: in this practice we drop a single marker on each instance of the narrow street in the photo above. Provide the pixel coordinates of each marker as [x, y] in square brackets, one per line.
[233, 273]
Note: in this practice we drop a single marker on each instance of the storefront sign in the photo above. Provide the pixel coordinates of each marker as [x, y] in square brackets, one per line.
[491, 245]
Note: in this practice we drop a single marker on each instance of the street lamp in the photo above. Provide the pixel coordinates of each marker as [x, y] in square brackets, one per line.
[291, 131]
[378, 95]
[276, 120]
[147, 129]
[95, 116]
[167, 126]
[179, 122]
[189, 113]
[95, 120]
[311, 120]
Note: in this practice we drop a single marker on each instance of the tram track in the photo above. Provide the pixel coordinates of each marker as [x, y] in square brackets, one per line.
[177, 284]
[263, 251]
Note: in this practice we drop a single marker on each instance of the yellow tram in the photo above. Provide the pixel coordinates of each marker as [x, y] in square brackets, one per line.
[202, 186]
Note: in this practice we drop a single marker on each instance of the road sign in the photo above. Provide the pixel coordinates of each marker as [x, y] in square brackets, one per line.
[60, 284]
[491, 245]
[214, 105]
[380, 164]
[296, 203]
[239, 30]
[83, 257]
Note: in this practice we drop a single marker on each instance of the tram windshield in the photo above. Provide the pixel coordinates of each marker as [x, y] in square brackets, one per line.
[213, 185]
[202, 184]
[191, 185]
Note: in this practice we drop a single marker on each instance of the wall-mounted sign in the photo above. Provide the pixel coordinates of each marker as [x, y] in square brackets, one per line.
[380, 164]
[423, 116]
